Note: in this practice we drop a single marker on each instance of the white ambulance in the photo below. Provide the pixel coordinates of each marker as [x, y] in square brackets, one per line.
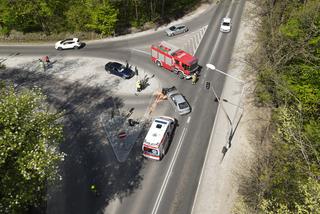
[157, 140]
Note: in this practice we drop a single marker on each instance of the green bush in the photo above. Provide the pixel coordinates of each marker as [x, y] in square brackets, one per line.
[2, 66]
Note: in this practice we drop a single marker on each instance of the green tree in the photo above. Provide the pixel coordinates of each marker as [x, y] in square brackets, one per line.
[103, 18]
[78, 16]
[29, 155]
[288, 75]
[31, 15]
[310, 200]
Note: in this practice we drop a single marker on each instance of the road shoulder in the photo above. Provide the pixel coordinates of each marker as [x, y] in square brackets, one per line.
[219, 181]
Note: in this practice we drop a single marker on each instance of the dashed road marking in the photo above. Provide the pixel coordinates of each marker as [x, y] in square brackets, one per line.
[166, 179]
[188, 120]
[140, 51]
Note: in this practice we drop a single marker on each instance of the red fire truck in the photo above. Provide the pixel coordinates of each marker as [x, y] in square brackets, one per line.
[174, 59]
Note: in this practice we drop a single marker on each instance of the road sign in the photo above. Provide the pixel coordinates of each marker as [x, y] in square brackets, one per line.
[122, 135]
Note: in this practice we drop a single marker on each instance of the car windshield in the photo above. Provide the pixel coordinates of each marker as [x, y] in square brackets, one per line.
[122, 68]
[183, 105]
[225, 23]
[151, 151]
[192, 67]
[172, 28]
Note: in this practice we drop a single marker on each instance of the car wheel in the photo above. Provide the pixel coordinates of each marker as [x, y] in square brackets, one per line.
[59, 48]
[158, 64]
[76, 47]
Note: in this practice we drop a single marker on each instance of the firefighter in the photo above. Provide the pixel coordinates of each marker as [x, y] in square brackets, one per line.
[194, 78]
[94, 190]
[138, 85]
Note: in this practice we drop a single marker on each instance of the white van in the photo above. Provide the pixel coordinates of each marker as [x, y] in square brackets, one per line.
[157, 140]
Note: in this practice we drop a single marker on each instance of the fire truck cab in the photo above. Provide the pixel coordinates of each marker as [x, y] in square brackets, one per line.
[174, 59]
[157, 139]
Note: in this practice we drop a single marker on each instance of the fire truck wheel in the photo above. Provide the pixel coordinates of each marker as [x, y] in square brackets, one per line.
[181, 76]
[158, 64]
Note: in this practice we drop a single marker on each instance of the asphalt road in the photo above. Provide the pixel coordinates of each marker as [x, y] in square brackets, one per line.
[168, 186]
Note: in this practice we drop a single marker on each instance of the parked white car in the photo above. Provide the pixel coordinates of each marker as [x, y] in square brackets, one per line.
[72, 43]
[225, 25]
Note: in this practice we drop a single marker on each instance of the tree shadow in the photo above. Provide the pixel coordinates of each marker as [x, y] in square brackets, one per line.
[89, 157]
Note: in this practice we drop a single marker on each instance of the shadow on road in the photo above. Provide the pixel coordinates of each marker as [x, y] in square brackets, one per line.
[89, 157]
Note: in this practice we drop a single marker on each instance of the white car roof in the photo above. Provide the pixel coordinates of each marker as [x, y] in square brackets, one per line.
[157, 130]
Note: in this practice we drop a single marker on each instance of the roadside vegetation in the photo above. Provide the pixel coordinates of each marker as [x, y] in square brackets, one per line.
[51, 19]
[285, 177]
[29, 154]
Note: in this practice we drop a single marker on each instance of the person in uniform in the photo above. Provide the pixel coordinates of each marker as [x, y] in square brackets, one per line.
[138, 85]
[194, 78]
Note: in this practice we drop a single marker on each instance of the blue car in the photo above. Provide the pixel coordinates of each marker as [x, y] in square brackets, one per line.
[119, 70]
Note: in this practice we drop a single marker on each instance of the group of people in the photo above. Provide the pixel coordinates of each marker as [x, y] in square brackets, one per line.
[194, 79]
[44, 62]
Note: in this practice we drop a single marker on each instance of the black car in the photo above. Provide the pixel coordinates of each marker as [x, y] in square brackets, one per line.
[119, 70]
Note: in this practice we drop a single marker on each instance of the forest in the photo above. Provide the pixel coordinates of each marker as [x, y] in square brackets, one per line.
[286, 175]
[104, 17]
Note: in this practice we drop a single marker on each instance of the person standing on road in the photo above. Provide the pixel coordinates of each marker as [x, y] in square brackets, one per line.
[138, 85]
[194, 78]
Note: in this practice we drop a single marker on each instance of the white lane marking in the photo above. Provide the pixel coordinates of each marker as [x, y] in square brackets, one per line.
[194, 44]
[199, 38]
[229, 10]
[140, 51]
[166, 179]
[188, 120]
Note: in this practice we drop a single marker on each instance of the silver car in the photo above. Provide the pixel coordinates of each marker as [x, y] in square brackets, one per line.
[178, 101]
[176, 29]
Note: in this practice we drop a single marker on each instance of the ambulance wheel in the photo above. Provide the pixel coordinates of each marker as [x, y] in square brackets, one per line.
[161, 156]
[158, 64]
[181, 76]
